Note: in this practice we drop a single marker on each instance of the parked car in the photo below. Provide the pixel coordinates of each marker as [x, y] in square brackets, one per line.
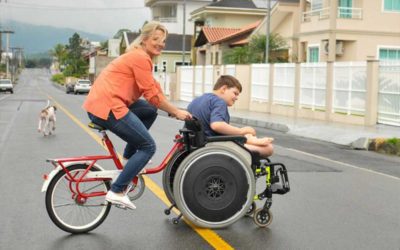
[6, 85]
[82, 86]
[69, 87]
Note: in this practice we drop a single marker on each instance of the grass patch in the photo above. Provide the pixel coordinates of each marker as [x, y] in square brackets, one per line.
[389, 146]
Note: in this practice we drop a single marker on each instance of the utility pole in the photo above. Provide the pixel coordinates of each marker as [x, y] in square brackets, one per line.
[184, 33]
[7, 32]
[268, 24]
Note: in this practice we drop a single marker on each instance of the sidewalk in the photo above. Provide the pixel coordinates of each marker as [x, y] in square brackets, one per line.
[354, 136]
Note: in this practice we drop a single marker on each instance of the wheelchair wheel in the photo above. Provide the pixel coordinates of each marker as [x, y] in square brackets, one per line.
[263, 218]
[169, 174]
[214, 186]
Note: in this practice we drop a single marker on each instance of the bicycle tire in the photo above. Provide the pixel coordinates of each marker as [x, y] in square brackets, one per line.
[78, 209]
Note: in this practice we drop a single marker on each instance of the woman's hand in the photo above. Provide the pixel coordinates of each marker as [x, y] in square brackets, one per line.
[182, 115]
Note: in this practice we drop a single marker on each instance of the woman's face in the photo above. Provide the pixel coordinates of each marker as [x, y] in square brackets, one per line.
[154, 44]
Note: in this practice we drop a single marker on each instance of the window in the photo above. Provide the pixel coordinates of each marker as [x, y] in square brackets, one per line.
[391, 5]
[180, 64]
[313, 54]
[316, 4]
[168, 11]
[389, 54]
[345, 8]
[216, 58]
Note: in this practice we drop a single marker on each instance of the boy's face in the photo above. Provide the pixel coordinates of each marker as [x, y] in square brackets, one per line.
[229, 95]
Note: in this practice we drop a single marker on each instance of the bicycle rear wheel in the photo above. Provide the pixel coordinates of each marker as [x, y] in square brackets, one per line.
[71, 212]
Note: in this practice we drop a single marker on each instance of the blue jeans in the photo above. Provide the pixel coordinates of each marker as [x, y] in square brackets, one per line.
[133, 129]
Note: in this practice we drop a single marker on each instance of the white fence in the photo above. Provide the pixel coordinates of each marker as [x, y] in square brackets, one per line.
[389, 93]
[259, 82]
[284, 78]
[313, 86]
[349, 87]
[309, 83]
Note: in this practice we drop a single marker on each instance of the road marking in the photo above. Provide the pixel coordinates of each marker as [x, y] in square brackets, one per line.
[208, 235]
[344, 164]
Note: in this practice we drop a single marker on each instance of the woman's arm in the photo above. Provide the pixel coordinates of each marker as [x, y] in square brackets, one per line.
[174, 111]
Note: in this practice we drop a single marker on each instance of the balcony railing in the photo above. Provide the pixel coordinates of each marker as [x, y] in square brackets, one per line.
[342, 12]
[351, 13]
[321, 13]
[165, 19]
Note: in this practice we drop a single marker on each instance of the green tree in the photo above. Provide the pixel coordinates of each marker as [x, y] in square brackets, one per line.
[238, 55]
[59, 52]
[76, 65]
[254, 52]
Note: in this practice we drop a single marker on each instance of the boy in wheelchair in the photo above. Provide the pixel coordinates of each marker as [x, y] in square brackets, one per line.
[212, 110]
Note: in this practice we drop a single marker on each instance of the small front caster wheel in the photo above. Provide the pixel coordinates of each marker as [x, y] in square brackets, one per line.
[262, 218]
[175, 221]
[167, 211]
[251, 209]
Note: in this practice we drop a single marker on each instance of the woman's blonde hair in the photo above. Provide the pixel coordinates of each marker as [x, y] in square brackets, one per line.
[146, 31]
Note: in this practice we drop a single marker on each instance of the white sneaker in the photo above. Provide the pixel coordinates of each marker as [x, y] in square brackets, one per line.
[120, 200]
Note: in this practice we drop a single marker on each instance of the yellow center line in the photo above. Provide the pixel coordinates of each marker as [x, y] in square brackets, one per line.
[208, 235]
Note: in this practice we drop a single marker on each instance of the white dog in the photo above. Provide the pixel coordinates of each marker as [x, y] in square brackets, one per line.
[47, 120]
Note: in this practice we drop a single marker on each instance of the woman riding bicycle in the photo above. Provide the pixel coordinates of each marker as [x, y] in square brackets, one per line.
[113, 102]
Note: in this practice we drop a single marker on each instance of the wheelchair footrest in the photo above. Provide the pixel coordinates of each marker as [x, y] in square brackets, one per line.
[280, 179]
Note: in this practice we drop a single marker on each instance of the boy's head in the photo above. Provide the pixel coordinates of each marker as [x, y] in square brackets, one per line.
[228, 88]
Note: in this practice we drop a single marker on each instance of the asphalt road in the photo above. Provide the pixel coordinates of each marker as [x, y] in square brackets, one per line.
[339, 198]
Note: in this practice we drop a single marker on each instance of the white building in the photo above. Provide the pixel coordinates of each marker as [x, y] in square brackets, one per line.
[170, 13]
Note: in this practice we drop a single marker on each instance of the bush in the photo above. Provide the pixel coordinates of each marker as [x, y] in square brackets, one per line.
[58, 78]
[386, 146]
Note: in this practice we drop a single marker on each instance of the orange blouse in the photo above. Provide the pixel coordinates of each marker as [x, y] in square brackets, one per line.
[121, 83]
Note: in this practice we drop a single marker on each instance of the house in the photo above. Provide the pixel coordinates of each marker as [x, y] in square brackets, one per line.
[285, 16]
[212, 42]
[223, 18]
[349, 30]
[173, 15]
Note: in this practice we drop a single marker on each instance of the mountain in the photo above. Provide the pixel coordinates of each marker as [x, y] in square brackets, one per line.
[40, 39]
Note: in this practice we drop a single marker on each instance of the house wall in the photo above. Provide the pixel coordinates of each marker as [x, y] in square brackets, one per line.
[361, 37]
[231, 20]
[101, 63]
[171, 59]
[177, 27]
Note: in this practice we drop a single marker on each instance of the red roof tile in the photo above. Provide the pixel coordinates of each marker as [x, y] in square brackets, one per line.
[243, 30]
[215, 33]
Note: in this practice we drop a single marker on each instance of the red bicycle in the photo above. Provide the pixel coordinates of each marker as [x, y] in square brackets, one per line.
[210, 180]
[76, 187]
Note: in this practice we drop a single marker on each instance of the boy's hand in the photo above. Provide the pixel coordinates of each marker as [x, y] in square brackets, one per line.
[248, 130]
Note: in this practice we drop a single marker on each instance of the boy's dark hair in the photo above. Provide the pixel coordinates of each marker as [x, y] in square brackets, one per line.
[229, 81]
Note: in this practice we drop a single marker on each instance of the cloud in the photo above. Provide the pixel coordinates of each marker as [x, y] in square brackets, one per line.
[104, 17]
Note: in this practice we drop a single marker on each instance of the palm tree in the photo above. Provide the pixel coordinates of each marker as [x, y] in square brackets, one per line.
[59, 52]
[254, 52]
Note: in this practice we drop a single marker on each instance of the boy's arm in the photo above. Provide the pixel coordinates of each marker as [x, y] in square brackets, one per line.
[227, 129]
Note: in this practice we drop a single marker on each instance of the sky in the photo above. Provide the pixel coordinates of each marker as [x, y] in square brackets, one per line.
[104, 17]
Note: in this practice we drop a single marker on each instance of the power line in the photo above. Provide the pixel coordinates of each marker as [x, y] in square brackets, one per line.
[31, 6]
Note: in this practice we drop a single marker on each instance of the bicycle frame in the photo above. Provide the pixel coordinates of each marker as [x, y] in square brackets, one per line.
[62, 164]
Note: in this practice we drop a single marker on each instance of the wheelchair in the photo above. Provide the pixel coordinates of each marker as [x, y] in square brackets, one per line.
[212, 180]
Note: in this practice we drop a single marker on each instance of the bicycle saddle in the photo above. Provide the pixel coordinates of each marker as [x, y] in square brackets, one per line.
[96, 126]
